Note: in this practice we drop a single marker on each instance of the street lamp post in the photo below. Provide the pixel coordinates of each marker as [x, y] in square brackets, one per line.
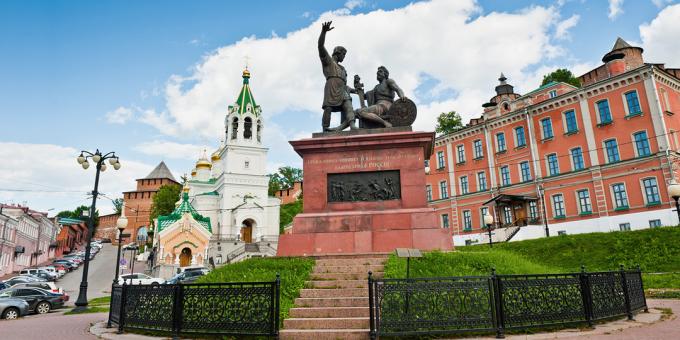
[545, 212]
[488, 220]
[100, 165]
[121, 224]
[674, 191]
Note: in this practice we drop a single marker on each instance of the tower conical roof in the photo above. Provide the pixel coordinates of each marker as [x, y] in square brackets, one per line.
[620, 43]
[160, 171]
[245, 98]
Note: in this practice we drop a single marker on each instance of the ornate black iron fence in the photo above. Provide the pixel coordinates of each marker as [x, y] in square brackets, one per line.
[240, 308]
[407, 307]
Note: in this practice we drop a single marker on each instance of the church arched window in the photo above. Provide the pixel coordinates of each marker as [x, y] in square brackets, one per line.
[247, 128]
[259, 130]
[234, 128]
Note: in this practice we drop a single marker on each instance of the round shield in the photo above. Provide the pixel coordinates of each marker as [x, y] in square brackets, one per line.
[402, 113]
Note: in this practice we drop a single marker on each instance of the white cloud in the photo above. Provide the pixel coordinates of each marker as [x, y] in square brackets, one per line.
[352, 4]
[661, 3]
[171, 150]
[119, 116]
[615, 8]
[660, 37]
[56, 180]
[562, 29]
[286, 73]
[306, 15]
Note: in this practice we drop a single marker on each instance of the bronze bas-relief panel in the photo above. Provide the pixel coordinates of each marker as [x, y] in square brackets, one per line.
[364, 186]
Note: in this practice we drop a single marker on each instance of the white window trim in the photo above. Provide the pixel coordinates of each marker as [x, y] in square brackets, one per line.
[564, 121]
[625, 102]
[504, 139]
[604, 150]
[500, 175]
[578, 201]
[481, 215]
[571, 158]
[514, 136]
[474, 152]
[430, 187]
[458, 160]
[460, 185]
[448, 218]
[463, 219]
[486, 185]
[441, 193]
[613, 196]
[635, 149]
[519, 171]
[552, 128]
[597, 110]
[552, 205]
[442, 164]
[644, 192]
[547, 164]
[552, 93]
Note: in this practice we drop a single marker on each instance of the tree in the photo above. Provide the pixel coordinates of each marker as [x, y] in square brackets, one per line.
[448, 122]
[561, 75]
[118, 205]
[284, 178]
[164, 200]
[80, 213]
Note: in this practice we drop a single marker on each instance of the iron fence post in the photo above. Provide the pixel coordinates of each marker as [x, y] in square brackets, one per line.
[277, 305]
[372, 331]
[642, 287]
[498, 305]
[108, 322]
[123, 300]
[626, 297]
[584, 281]
[176, 310]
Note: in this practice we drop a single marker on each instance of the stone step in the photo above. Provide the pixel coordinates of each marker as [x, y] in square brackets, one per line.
[324, 334]
[333, 293]
[350, 262]
[329, 312]
[326, 323]
[344, 276]
[330, 284]
[348, 269]
[332, 302]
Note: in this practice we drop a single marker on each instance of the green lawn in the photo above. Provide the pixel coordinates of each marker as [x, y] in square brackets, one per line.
[294, 272]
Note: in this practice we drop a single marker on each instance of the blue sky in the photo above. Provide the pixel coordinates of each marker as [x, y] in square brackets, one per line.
[169, 66]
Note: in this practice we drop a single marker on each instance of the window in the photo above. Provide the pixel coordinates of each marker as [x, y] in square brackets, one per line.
[603, 111]
[641, 144]
[507, 214]
[247, 128]
[440, 159]
[443, 190]
[651, 190]
[533, 210]
[259, 131]
[460, 153]
[612, 150]
[481, 181]
[445, 221]
[570, 121]
[558, 206]
[552, 93]
[654, 223]
[500, 142]
[467, 220]
[505, 175]
[553, 165]
[526, 172]
[427, 163]
[520, 140]
[478, 149]
[246, 164]
[624, 226]
[463, 185]
[547, 130]
[428, 192]
[620, 196]
[234, 128]
[482, 212]
[633, 103]
[584, 202]
[577, 159]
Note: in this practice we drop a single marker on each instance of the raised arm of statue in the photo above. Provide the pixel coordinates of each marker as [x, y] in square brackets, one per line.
[393, 85]
[323, 53]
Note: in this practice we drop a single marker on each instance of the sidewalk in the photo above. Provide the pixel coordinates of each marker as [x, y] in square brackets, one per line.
[653, 325]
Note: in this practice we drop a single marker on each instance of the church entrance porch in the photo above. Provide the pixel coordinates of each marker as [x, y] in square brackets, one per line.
[185, 257]
[247, 230]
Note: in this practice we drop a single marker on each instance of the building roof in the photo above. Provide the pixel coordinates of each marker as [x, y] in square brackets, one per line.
[160, 171]
[176, 215]
[245, 98]
[620, 43]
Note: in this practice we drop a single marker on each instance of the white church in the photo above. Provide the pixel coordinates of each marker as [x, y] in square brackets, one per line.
[231, 188]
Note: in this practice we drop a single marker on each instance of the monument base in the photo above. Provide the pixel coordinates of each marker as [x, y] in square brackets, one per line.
[364, 193]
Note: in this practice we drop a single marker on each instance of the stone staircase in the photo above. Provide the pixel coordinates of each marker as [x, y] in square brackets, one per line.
[335, 303]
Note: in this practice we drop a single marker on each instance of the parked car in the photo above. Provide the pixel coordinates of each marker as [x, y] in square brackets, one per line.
[49, 286]
[187, 276]
[68, 265]
[11, 309]
[106, 240]
[21, 279]
[40, 301]
[139, 278]
[4, 286]
[55, 270]
[39, 273]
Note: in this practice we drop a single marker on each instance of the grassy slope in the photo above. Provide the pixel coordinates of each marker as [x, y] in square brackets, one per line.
[288, 212]
[293, 271]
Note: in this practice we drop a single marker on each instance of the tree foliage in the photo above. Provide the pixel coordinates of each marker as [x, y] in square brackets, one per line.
[164, 200]
[561, 75]
[118, 205]
[287, 213]
[80, 213]
[448, 122]
[284, 178]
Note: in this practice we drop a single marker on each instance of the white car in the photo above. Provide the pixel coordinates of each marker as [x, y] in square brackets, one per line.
[139, 278]
[51, 269]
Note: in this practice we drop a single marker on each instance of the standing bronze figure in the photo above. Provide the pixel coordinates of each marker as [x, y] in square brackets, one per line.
[336, 96]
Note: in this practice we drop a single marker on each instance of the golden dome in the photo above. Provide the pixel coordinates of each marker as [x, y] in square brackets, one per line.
[216, 155]
[193, 172]
[203, 162]
[186, 187]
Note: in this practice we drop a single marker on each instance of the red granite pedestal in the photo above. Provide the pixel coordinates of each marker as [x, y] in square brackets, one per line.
[370, 226]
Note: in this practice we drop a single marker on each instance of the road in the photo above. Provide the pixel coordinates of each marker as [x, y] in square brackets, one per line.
[99, 278]
[50, 326]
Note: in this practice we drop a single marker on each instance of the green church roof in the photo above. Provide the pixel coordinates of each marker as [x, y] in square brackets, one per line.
[245, 98]
[176, 215]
